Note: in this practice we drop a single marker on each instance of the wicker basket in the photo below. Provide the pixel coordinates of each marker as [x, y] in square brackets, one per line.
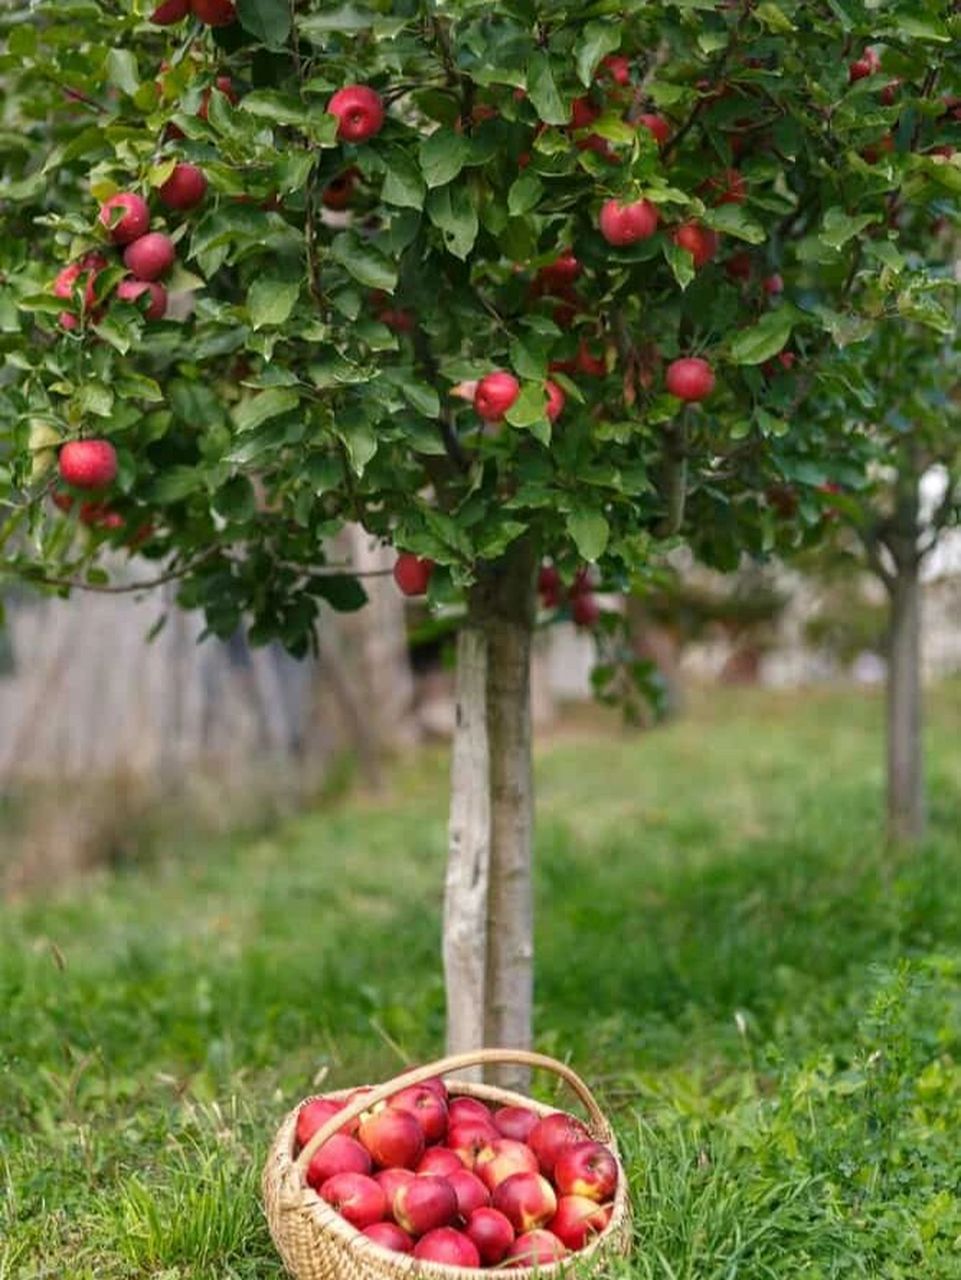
[316, 1243]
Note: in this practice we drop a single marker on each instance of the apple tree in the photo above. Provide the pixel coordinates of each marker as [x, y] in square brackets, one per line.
[527, 288]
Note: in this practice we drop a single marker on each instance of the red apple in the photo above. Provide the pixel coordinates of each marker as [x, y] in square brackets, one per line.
[470, 1191]
[583, 113]
[424, 1203]
[867, 65]
[557, 1130]
[518, 1122]
[587, 362]
[169, 12]
[585, 611]
[131, 290]
[469, 1138]
[739, 265]
[448, 1246]
[89, 267]
[586, 1169]
[527, 1200]
[390, 1181]
[339, 1154]
[88, 464]
[312, 1116]
[773, 285]
[495, 394]
[555, 400]
[503, 1158]
[214, 13]
[356, 1197]
[412, 573]
[339, 192]
[699, 242]
[492, 1233]
[425, 1106]
[222, 84]
[359, 112]
[125, 216]
[578, 1219]
[460, 1109]
[185, 188]
[690, 378]
[100, 516]
[389, 1236]
[617, 67]
[393, 1138]
[559, 274]
[658, 126]
[436, 1085]
[549, 590]
[728, 187]
[535, 1249]
[151, 256]
[624, 224]
[440, 1161]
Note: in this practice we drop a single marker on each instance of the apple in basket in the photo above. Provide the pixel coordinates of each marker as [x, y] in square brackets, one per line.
[551, 1135]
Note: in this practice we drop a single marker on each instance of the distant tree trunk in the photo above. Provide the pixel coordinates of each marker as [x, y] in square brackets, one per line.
[905, 753]
[488, 945]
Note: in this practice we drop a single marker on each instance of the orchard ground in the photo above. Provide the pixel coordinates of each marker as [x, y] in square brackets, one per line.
[769, 1001]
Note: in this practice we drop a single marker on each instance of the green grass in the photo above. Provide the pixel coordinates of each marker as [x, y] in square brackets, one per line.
[769, 1002]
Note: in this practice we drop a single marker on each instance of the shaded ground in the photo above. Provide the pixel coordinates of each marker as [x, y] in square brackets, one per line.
[770, 1002]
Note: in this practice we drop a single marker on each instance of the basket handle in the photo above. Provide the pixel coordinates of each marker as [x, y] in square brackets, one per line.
[479, 1057]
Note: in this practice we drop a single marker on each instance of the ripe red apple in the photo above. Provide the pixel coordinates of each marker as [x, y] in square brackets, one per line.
[448, 1246]
[89, 267]
[469, 1138]
[587, 362]
[586, 1169]
[436, 1085]
[169, 12]
[577, 1219]
[131, 290]
[125, 216]
[495, 394]
[185, 188]
[527, 1200]
[424, 1203]
[356, 1197]
[426, 1107]
[460, 1109]
[99, 516]
[394, 1138]
[519, 1122]
[889, 94]
[339, 1154]
[585, 611]
[555, 400]
[535, 1249]
[88, 464]
[390, 1181]
[312, 1116]
[352, 1126]
[339, 192]
[623, 224]
[359, 112]
[690, 378]
[471, 1193]
[440, 1161]
[559, 274]
[214, 13]
[739, 265]
[412, 573]
[389, 1236]
[151, 256]
[558, 1130]
[617, 67]
[658, 126]
[503, 1158]
[62, 500]
[867, 65]
[491, 1233]
[773, 285]
[222, 84]
[583, 113]
[728, 187]
[549, 590]
[699, 242]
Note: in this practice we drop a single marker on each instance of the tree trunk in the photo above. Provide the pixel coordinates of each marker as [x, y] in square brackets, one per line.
[488, 917]
[906, 802]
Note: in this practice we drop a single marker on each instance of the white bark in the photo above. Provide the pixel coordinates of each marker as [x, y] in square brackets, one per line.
[465, 896]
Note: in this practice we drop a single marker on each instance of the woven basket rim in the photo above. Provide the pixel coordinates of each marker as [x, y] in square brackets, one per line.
[328, 1219]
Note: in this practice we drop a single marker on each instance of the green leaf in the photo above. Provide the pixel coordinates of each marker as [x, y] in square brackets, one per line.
[442, 156]
[268, 404]
[122, 70]
[530, 406]
[359, 440]
[342, 593]
[596, 40]
[922, 29]
[765, 339]
[282, 108]
[365, 263]
[270, 301]
[735, 221]
[524, 193]
[403, 184]
[542, 91]
[838, 227]
[267, 20]
[590, 532]
[452, 211]
[94, 397]
[774, 18]
[137, 386]
[680, 261]
[174, 484]
[235, 500]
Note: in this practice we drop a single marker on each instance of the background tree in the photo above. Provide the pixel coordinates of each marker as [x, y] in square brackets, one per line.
[660, 228]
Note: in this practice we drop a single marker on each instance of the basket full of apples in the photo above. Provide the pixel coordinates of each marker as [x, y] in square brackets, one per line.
[431, 1177]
